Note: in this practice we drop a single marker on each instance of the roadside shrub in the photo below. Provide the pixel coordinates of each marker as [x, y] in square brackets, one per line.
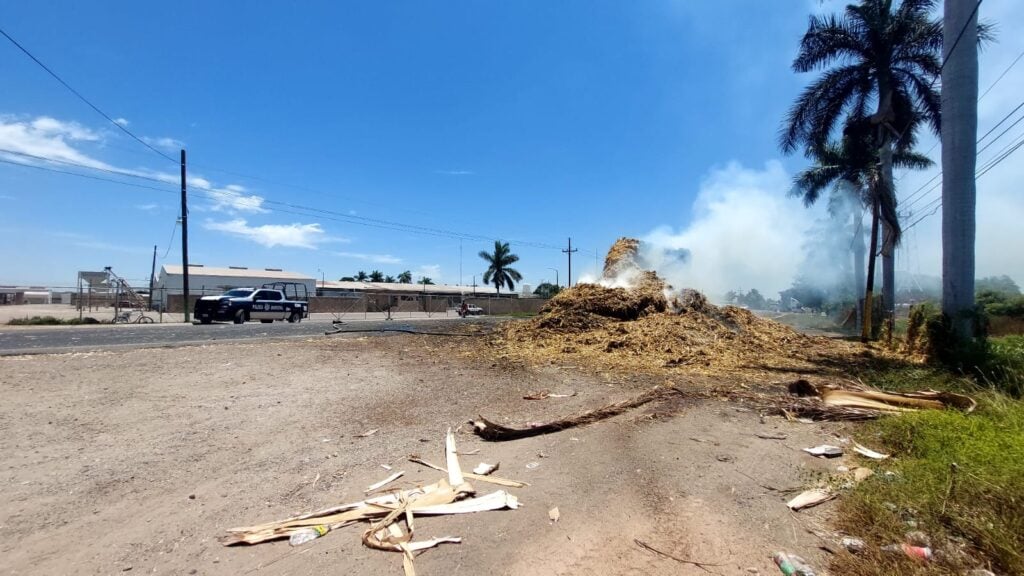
[51, 321]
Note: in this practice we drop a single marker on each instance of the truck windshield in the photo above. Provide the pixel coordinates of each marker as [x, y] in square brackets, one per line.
[238, 293]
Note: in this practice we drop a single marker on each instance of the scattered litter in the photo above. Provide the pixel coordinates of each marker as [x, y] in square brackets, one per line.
[315, 480]
[325, 439]
[532, 465]
[553, 514]
[868, 452]
[792, 565]
[918, 538]
[385, 513]
[842, 469]
[923, 553]
[482, 478]
[368, 433]
[470, 453]
[825, 451]
[771, 436]
[385, 466]
[980, 572]
[484, 469]
[494, 432]
[384, 482]
[810, 498]
[852, 545]
[544, 394]
[300, 537]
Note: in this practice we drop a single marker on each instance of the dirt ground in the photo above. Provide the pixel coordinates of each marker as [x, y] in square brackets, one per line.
[138, 460]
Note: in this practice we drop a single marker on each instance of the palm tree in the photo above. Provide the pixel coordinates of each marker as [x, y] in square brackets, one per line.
[389, 279]
[361, 276]
[426, 281]
[405, 277]
[498, 270]
[853, 168]
[873, 54]
[376, 276]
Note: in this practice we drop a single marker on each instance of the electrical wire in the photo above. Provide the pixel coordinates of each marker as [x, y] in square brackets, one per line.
[83, 98]
[170, 241]
[993, 85]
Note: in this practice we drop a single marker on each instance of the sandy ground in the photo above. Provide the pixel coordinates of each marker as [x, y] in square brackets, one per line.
[138, 460]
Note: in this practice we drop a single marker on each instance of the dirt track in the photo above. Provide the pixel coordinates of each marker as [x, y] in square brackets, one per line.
[139, 459]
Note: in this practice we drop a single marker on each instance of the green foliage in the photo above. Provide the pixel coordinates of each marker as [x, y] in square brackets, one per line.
[959, 476]
[1001, 284]
[361, 276]
[405, 277]
[425, 281]
[347, 279]
[51, 321]
[499, 270]
[389, 279]
[547, 290]
[1001, 303]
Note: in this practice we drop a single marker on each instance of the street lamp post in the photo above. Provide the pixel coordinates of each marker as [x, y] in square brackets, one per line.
[556, 276]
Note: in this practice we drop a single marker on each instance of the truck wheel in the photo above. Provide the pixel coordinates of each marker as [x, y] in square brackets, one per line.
[205, 320]
[266, 321]
[295, 317]
[240, 317]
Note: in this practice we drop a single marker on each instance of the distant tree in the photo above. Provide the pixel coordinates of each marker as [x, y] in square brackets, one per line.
[389, 279]
[754, 300]
[999, 284]
[346, 279]
[405, 277]
[361, 276]
[547, 290]
[498, 270]
[376, 276]
[425, 281]
[733, 296]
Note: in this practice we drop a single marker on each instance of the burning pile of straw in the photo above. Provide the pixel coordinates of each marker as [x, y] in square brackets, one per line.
[634, 321]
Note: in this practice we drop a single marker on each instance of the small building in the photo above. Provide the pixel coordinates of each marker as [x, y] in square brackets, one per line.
[24, 295]
[209, 280]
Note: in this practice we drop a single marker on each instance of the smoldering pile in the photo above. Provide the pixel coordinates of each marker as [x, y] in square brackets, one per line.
[633, 320]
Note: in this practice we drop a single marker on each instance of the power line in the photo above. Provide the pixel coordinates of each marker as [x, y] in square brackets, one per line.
[111, 180]
[993, 85]
[83, 98]
[170, 241]
[284, 207]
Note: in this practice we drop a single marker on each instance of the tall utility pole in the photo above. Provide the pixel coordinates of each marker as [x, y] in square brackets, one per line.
[152, 279]
[184, 239]
[569, 251]
[959, 157]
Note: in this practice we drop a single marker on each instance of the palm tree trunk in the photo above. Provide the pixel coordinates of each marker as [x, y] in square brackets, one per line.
[959, 150]
[888, 231]
[858, 259]
[865, 330]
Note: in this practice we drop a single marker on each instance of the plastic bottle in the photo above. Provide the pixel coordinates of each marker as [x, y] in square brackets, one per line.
[916, 552]
[307, 535]
[791, 565]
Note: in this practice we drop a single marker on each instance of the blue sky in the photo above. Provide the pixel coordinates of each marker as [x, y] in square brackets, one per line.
[528, 121]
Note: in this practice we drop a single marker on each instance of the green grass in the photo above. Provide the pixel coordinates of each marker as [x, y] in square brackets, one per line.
[959, 476]
[50, 321]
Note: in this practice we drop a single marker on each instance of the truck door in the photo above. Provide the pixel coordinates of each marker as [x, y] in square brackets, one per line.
[267, 305]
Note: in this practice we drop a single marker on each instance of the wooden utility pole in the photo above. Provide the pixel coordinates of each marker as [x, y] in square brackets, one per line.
[184, 239]
[569, 251]
[152, 278]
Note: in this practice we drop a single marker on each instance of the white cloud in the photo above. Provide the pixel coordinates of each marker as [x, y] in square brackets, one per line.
[121, 121]
[294, 235]
[376, 258]
[745, 233]
[148, 207]
[432, 271]
[231, 199]
[48, 138]
[164, 142]
[455, 172]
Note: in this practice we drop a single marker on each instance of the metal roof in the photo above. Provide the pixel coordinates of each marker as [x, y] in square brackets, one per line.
[235, 272]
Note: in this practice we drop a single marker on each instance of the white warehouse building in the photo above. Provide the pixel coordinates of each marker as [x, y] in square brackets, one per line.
[207, 280]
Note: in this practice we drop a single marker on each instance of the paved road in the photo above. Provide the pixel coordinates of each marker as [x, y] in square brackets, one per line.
[50, 340]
